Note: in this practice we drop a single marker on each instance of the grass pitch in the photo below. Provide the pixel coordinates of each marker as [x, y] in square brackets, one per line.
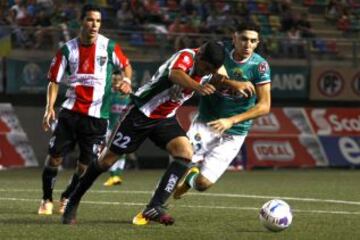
[326, 205]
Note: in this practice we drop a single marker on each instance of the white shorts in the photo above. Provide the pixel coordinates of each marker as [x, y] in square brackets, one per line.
[216, 151]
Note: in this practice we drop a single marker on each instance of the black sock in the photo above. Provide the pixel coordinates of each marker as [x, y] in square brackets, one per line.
[70, 188]
[48, 181]
[85, 182]
[169, 180]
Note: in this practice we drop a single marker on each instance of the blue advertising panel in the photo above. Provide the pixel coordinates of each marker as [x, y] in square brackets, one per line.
[342, 151]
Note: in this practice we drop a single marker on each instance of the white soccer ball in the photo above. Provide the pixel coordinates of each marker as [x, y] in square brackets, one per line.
[276, 215]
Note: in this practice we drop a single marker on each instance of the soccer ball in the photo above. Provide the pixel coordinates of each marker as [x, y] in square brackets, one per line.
[276, 215]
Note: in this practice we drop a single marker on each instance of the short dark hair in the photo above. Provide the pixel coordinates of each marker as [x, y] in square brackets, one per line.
[89, 8]
[213, 53]
[247, 26]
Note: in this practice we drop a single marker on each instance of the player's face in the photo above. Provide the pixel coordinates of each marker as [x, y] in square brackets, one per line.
[91, 25]
[202, 67]
[245, 43]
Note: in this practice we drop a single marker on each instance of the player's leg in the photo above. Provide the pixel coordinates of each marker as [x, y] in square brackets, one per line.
[127, 138]
[80, 169]
[213, 166]
[172, 136]
[61, 142]
[202, 140]
[115, 172]
[49, 174]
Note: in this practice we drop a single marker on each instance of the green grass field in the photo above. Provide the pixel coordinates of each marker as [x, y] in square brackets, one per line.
[326, 205]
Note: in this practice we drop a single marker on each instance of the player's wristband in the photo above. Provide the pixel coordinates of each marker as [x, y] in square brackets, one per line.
[126, 79]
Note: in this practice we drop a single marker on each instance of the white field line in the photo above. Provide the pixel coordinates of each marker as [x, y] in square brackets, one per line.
[189, 206]
[220, 195]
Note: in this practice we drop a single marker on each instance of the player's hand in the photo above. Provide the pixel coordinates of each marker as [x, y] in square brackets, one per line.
[124, 87]
[205, 89]
[246, 89]
[48, 118]
[121, 84]
[220, 125]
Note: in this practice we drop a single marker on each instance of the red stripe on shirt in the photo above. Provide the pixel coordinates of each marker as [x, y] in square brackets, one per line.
[55, 66]
[84, 96]
[121, 56]
[87, 59]
[184, 61]
[164, 109]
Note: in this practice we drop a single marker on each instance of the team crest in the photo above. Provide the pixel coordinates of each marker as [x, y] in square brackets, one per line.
[263, 67]
[101, 60]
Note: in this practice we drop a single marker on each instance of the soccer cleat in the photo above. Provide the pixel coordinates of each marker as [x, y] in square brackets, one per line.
[182, 186]
[158, 214]
[46, 207]
[140, 220]
[63, 203]
[69, 216]
[112, 181]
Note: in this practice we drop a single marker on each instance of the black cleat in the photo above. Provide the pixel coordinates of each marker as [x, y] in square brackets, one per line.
[158, 214]
[69, 216]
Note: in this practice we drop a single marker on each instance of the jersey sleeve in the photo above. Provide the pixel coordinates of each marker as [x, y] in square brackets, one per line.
[184, 61]
[263, 73]
[119, 58]
[57, 67]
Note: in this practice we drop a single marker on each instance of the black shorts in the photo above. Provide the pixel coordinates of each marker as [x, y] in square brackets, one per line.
[136, 127]
[88, 132]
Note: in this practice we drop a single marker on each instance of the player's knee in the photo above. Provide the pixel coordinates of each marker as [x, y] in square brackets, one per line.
[180, 147]
[53, 161]
[81, 168]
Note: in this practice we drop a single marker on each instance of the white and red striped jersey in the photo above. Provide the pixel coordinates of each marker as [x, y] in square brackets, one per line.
[160, 97]
[87, 70]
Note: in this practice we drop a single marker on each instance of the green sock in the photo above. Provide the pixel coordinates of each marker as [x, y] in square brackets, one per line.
[116, 172]
[191, 179]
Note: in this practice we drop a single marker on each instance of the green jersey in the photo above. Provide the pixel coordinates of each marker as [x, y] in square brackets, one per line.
[221, 104]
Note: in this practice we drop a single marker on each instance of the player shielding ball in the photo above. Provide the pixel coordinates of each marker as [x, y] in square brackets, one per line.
[153, 116]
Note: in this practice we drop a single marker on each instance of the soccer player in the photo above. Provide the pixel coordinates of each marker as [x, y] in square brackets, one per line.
[153, 116]
[223, 120]
[88, 62]
[119, 106]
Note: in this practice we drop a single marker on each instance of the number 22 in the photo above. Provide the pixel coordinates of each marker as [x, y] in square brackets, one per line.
[120, 140]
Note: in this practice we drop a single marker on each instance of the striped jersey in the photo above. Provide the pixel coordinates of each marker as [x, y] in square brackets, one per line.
[221, 104]
[160, 97]
[87, 71]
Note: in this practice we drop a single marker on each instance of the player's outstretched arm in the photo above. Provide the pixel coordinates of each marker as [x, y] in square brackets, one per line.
[247, 89]
[180, 77]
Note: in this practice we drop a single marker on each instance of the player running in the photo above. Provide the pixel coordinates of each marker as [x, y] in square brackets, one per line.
[88, 62]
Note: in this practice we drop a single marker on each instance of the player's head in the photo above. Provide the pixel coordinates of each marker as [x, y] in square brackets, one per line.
[246, 39]
[210, 58]
[90, 22]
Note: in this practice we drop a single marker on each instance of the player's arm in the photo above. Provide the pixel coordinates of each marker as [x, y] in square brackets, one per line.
[247, 89]
[181, 78]
[122, 82]
[51, 95]
[262, 107]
